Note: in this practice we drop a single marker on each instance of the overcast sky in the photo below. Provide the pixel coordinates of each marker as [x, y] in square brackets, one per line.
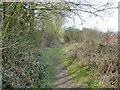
[107, 23]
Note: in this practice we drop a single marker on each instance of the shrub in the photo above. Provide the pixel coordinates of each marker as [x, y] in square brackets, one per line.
[72, 34]
[101, 58]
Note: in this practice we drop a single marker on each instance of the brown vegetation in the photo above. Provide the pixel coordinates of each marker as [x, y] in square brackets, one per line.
[101, 57]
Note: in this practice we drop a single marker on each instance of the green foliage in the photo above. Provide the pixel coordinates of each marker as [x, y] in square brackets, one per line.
[73, 34]
[24, 29]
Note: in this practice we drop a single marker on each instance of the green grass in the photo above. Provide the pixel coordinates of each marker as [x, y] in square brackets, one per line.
[49, 69]
[47, 56]
[79, 73]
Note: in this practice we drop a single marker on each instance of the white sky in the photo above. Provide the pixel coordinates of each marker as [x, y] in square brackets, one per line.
[107, 23]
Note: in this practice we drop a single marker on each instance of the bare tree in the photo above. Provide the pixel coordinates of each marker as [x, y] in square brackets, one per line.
[71, 8]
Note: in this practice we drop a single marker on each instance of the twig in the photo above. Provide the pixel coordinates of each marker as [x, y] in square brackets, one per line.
[9, 46]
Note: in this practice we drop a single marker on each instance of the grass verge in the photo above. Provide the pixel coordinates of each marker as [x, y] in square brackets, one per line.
[48, 57]
[79, 73]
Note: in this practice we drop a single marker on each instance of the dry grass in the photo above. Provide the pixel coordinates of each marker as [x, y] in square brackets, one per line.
[102, 58]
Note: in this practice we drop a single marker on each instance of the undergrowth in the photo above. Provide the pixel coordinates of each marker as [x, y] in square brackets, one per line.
[32, 71]
[79, 73]
[99, 58]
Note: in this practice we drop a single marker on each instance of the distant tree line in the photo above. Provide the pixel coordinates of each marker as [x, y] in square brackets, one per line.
[86, 34]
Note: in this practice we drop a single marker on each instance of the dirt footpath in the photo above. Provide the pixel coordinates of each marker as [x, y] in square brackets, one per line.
[61, 78]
